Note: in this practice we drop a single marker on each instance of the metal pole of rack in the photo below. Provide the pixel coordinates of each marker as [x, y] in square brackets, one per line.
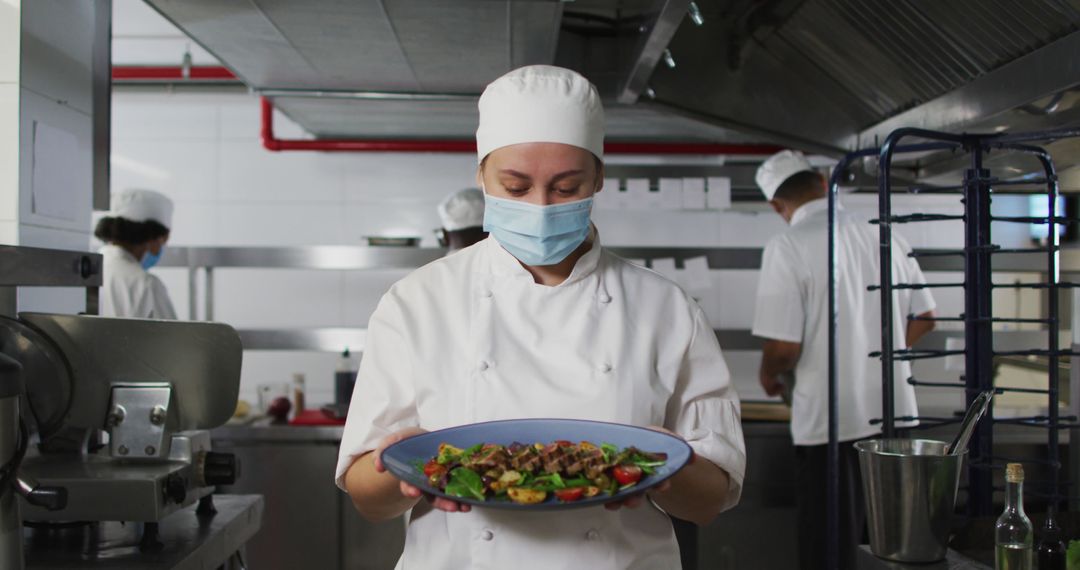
[832, 468]
[193, 302]
[978, 330]
[208, 293]
[1053, 278]
[832, 496]
[888, 410]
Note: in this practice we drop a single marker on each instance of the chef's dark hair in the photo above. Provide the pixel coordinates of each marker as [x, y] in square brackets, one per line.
[801, 186]
[122, 230]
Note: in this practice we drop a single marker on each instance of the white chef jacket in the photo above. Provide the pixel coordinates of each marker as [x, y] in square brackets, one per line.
[471, 338]
[129, 291]
[792, 306]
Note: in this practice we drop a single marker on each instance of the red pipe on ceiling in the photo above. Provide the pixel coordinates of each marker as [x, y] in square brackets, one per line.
[136, 74]
[170, 73]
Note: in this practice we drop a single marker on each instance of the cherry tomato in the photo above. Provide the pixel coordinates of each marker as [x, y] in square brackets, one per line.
[569, 495]
[626, 474]
[432, 468]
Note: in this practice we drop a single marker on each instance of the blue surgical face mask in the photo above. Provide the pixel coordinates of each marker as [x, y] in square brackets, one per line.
[150, 259]
[537, 235]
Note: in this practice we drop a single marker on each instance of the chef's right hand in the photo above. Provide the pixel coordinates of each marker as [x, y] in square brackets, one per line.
[413, 491]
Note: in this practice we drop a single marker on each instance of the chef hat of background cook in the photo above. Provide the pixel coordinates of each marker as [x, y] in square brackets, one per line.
[778, 168]
[139, 205]
[540, 103]
[462, 209]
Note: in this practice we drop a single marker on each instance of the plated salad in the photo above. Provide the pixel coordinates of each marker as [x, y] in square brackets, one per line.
[528, 474]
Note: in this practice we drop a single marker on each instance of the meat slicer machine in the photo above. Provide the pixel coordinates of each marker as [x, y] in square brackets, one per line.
[114, 414]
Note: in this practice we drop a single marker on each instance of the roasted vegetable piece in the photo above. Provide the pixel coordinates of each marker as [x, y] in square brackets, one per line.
[523, 496]
[448, 454]
[507, 480]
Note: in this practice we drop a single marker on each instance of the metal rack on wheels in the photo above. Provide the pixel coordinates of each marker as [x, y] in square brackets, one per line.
[978, 320]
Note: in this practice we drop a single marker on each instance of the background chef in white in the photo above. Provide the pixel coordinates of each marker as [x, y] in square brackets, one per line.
[792, 314]
[462, 216]
[135, 232]
[540, 321]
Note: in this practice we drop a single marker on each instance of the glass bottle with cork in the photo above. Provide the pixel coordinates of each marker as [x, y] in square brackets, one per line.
[1013, 533]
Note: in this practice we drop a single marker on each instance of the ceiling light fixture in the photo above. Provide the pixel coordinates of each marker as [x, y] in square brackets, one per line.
[695, 14]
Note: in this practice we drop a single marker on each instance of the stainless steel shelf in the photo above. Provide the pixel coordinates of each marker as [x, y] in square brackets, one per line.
[339, 257]
[337, 339]
[1069, 262]
[330, 339]
[36, 267]
[335, 257]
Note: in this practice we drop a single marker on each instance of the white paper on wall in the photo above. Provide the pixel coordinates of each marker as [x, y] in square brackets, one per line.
[954, 362]
[693, 194]
[671, 190]
[666, 267]
[718, 196]
[609, 197]
[638, 196]
[696, 275]
[53, 181]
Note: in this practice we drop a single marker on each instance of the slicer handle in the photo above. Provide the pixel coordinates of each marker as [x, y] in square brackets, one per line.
[49, 498]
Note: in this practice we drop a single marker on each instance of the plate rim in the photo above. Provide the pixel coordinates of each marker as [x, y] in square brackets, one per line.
[545, 506]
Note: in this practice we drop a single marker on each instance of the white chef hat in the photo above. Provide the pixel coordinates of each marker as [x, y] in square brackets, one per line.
[462, 209]
[139, 205]
[540, 103]
[778, 168]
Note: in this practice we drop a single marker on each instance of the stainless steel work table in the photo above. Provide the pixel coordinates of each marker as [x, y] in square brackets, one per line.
[865, 560]
[190, 541]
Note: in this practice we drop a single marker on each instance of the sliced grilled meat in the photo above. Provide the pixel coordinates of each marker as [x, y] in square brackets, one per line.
[526, 459]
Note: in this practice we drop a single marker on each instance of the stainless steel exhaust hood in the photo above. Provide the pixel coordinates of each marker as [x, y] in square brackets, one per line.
[821, 75]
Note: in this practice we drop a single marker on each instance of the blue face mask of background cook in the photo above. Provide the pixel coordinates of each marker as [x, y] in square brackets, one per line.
[150, 259]
[537, 235]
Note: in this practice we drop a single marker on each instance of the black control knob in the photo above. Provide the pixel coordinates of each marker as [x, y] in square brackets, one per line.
[220, 469]
[175, 488]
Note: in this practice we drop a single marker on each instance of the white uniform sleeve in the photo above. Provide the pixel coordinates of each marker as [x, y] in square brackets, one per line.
[780, 310]
[159, 303]
[704, 408]
[384, 400]
[920, 300]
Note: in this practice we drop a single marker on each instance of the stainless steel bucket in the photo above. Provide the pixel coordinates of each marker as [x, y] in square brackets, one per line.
[910, 490]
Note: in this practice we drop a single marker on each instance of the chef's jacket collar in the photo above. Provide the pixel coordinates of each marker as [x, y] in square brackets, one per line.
[503, 263]
[119, 252]
[810, 208]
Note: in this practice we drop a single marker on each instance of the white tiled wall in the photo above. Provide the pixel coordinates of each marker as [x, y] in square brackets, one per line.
[203, 150]
[9, 121]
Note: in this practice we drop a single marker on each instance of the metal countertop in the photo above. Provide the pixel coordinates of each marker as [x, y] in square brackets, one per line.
[190, 542]
[864, 560]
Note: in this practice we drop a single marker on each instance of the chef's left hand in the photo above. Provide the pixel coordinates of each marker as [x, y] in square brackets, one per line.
[636, 500]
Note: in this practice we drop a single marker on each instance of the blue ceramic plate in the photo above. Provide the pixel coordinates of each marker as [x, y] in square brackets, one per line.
[402, 457]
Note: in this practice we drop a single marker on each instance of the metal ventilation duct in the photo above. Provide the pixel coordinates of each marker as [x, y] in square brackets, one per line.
[370, 45]
[820, 73]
